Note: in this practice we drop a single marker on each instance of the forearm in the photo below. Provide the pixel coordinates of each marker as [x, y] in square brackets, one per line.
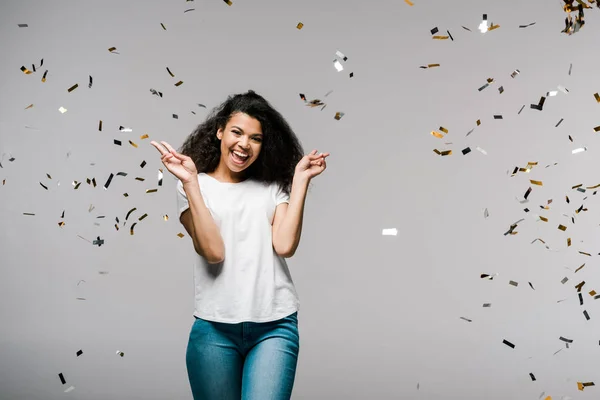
[291, 227]
[208, 239]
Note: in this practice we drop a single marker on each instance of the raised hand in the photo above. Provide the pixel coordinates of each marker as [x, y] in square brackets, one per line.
[183, 167]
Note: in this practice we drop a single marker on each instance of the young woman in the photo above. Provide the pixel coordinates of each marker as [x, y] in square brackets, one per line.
[237, 173]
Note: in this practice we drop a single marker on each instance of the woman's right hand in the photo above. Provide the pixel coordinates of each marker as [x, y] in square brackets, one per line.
[183, 167]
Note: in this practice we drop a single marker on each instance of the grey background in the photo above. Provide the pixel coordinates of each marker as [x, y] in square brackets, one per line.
[380, 315]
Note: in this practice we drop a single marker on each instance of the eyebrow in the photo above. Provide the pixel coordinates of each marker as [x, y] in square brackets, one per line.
[234, 126]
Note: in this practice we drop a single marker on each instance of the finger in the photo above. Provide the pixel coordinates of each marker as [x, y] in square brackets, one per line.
[158, 147]
[172, 151]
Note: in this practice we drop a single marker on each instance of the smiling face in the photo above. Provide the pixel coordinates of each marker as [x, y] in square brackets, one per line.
[242, 134]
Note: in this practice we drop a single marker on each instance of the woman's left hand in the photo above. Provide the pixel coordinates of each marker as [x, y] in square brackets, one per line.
[311, 165]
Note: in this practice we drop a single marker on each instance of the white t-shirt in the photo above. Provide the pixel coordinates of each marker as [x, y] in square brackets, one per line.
[252, 283]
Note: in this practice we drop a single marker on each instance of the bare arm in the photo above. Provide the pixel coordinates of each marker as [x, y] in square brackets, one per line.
[288, 229]
[201, 226]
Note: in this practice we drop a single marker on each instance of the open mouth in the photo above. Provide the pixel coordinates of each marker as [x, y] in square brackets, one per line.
[239, 160]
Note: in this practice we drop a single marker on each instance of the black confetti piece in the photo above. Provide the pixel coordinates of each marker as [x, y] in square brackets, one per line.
[509, 344]
[108, 181]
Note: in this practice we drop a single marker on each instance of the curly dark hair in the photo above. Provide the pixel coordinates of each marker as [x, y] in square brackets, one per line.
[280, 152]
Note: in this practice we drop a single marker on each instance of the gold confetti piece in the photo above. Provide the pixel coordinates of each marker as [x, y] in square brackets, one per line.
[562, 227]
[539, 183]
[166, 217]
[75, 86]
[443, 153]
[592, 293]
[429, 66]
[300, 25]
[229, 3]
[597, 129]
[582, 385]
[29, 106]
[112, 50]
[409, 3]
[161, 24]
[179, 83]
[543, 219]
[26, 71]
[568, 242]
[133, 144]
[151, 191]
[439, 37]
[597, 97]
[181, 235]
[144, 136]
[493, 27]
[62, 110]
[437, 134]
[339, 115]
[577, 270]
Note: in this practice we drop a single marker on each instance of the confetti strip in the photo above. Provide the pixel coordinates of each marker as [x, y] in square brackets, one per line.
[525, 26]
[581, 385]
[509, 344]
[409, 3]
[22, 25]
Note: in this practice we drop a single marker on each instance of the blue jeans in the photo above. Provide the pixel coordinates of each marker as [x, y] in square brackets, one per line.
[247, 361]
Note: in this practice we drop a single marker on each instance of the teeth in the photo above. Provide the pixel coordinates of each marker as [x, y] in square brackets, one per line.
[240, 154]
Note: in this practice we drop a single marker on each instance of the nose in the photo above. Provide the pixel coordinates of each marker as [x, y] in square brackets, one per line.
[244, 144]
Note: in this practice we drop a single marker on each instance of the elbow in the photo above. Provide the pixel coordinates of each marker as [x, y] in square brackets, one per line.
[286, 254]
